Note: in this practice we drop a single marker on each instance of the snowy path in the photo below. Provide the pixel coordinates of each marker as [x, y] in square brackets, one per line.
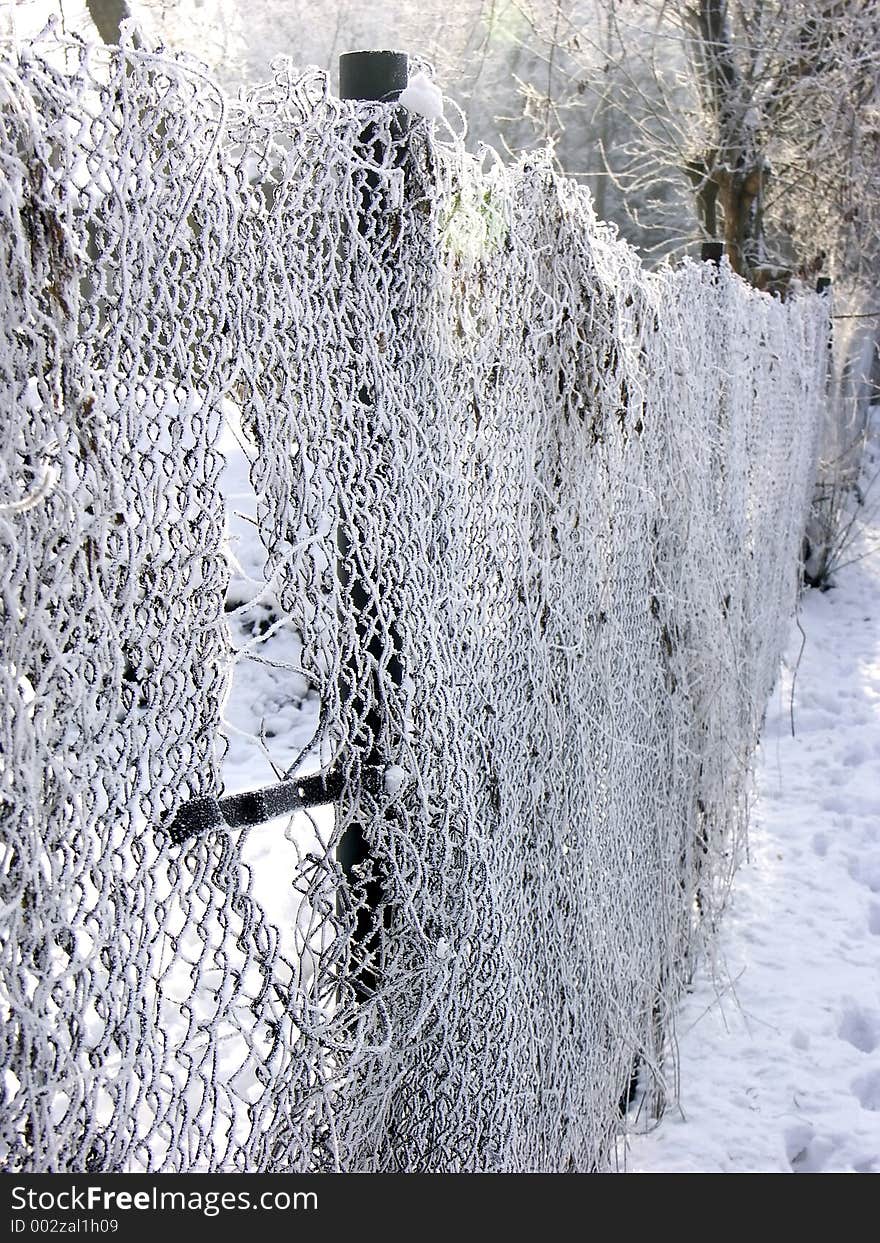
[780, 1054]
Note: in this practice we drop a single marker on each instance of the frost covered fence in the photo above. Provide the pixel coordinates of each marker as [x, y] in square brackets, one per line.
[577, 490]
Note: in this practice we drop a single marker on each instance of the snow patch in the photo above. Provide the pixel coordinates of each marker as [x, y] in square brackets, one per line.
[423, 97]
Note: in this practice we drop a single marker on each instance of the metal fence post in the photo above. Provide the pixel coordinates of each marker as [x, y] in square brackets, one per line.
[367, 76]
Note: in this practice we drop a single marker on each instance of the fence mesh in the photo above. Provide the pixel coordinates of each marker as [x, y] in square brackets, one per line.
[531, 522]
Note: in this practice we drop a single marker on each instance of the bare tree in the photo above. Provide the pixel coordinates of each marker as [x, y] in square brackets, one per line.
[763, 115]
[782, 99]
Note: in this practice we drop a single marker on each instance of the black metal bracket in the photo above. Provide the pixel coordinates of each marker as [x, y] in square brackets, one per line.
[239, 811]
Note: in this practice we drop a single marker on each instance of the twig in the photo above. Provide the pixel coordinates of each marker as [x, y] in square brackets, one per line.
[796, 667]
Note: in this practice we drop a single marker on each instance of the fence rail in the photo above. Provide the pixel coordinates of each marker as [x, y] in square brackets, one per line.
[571, 494]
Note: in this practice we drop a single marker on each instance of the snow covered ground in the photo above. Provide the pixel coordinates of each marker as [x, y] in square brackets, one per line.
[779, 1039]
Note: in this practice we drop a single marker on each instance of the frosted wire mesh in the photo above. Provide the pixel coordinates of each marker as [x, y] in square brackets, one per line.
[536, 517]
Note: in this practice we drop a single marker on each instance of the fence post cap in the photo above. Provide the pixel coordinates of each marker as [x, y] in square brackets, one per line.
[379, 76]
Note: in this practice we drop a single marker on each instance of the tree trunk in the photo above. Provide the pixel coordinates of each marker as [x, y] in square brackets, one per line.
[108, 16]
[731, 176]
[738, 191]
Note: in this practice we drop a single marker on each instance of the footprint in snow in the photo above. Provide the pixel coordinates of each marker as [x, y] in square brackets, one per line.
[855, 755]
[865, 870]
[859, 1027]
[806, 1151]
[866, 1089]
